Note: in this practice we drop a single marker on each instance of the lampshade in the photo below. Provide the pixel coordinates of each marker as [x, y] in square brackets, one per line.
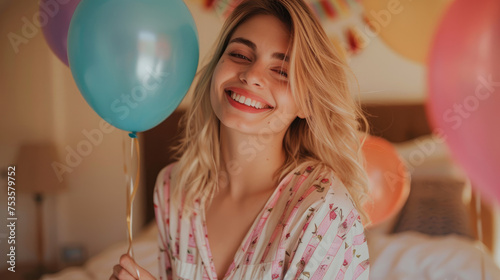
[34, 171]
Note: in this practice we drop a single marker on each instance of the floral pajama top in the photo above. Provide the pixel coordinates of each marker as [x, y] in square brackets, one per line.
[308, 229]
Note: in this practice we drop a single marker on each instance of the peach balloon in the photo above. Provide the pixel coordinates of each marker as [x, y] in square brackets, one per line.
[389, 181]
[406, 26]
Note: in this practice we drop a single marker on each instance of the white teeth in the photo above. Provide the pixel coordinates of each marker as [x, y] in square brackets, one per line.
[247, 101]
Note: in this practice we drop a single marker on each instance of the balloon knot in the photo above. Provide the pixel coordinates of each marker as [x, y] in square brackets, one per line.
[132, 134]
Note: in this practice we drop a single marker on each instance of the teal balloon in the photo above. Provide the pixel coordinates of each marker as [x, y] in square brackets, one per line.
[133, 60]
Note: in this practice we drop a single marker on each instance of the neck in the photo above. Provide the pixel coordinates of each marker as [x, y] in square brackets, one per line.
[250, 162]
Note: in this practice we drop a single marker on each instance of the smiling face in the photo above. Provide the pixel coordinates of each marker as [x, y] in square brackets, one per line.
[249, 89]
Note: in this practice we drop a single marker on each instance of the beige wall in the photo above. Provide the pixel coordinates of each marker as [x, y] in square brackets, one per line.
[27, 114]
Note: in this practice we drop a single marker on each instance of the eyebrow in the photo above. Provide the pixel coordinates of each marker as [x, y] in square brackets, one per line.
[251, 45]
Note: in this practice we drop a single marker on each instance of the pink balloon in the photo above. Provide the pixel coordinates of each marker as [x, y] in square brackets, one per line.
[58, 14]
[464, 89]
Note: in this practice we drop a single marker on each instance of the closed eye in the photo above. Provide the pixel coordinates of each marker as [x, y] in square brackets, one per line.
[239, 56]
[281, 72]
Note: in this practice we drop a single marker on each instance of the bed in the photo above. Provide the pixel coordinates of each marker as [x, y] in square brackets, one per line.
[433, 237]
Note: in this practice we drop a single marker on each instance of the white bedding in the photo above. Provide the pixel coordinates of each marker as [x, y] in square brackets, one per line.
[412, 255]
[403, 256]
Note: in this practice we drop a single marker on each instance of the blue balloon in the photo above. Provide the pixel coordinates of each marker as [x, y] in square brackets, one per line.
[133, 60]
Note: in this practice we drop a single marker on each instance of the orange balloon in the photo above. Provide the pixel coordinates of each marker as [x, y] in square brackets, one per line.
[406, 26]
[389, 182]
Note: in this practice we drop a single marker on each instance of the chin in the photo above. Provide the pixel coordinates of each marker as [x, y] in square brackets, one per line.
[240, 125]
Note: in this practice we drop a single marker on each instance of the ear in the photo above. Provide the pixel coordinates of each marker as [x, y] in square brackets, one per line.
[301, 114]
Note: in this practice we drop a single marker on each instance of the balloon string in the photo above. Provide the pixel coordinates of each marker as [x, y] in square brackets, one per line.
[132, 187]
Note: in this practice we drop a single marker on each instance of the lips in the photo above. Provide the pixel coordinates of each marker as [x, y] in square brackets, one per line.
[243, 97]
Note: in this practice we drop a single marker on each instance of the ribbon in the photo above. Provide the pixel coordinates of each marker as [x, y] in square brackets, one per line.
[132, 186]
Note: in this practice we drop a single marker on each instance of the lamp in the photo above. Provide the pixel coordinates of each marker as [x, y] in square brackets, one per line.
[34, 174]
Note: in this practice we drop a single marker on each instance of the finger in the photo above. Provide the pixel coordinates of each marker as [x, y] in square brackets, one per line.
[129, 265]
[119, 273]
[133, 268]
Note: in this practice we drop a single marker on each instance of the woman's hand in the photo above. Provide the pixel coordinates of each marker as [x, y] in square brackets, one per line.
[127, 270]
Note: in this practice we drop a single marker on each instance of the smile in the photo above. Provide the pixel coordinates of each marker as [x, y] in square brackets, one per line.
[247, 101]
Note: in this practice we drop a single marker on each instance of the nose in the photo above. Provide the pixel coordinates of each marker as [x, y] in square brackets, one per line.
[252, 75]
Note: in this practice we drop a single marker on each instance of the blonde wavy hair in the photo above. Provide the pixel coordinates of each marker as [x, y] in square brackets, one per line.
[318, 81]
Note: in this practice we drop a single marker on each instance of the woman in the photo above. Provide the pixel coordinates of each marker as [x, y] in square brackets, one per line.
[268, 182]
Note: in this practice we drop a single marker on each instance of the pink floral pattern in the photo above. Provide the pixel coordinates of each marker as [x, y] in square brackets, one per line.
[309, 229]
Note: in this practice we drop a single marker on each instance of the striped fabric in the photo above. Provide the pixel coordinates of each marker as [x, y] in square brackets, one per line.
[309, 229]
